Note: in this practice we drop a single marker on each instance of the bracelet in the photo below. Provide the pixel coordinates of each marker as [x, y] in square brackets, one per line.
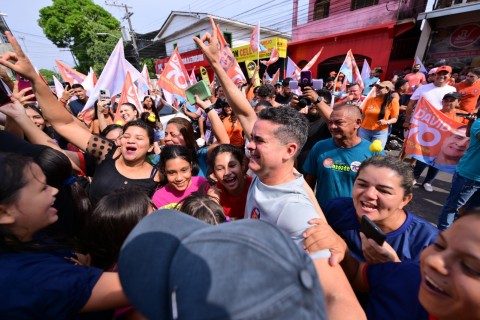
[63, 101]
[208, 109]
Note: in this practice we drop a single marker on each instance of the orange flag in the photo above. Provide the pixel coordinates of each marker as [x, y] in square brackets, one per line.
[228, 61]
[174, 78]
[68, 74]
[129, 94]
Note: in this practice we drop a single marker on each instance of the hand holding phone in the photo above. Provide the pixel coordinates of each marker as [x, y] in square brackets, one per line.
[372, 231]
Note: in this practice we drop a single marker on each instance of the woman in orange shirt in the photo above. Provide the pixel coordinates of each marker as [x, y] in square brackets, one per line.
[231, 124]
[378, 113]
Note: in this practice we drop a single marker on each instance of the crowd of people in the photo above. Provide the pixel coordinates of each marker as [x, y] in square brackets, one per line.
[94, 214]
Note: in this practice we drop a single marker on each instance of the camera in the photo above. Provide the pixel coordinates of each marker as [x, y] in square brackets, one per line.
[469, 115]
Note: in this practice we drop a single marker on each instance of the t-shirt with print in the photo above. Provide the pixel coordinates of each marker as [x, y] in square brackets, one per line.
[468, 95]
[168, 197]
[432, 94]
[335, 168]
[371, 110]
[286, 205]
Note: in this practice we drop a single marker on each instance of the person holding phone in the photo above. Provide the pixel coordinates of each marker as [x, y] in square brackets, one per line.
[77, 105]
[382, 188]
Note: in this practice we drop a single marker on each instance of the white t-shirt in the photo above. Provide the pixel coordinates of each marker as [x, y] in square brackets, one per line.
[432, 94]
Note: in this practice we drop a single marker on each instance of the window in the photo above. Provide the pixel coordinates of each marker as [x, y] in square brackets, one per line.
[358, 4]
[196, 45]
[228, 38]
[321, 10]
[174, 46]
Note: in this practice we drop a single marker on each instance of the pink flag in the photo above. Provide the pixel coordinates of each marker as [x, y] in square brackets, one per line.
[193, 79]
[228, 61]
[276, 77]
[312, 62]
[350, 69]
[293, 71]
[113, 75]
[68, 74]
[129, 94]
[273, 57]
[174, 78]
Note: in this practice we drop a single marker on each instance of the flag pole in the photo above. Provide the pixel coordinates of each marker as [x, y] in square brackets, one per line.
[258, 47]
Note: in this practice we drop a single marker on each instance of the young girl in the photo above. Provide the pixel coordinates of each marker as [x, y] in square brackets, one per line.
[179, 168]
[231, 123]
[40, 278]
[228, 166]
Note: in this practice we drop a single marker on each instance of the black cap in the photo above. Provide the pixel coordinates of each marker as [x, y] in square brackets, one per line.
[454, 95]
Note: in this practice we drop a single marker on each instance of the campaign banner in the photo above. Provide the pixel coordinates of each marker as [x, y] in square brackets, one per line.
[436, 139]
[204, 74]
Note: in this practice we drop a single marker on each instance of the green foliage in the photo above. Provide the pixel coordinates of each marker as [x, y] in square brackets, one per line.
[151, 67]
[74, 24]
[47, 74]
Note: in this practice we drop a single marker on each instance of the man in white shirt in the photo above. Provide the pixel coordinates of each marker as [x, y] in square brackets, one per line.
[432, 92]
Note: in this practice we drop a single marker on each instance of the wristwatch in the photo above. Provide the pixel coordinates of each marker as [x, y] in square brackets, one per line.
[208, 109]
[319, 99]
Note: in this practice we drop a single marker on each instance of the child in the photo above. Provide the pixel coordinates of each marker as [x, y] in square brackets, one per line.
[179, 168]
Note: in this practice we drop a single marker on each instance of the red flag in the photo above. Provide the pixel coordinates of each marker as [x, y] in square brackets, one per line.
[312, 62]
[174, 77]
[129, 94]
[228, 61]
[68, 74]
[193, 79]
[273, 57]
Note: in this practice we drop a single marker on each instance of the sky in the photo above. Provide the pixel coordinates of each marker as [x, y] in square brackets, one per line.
[148, 16]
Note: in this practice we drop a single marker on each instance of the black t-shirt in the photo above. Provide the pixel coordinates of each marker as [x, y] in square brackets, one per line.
[317, 130]
[282, 99]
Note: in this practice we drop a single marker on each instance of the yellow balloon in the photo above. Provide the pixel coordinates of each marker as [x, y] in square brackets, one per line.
[376, 146]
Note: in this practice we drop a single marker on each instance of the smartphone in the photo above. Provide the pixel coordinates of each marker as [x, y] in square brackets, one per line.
[4, 95]
[25, 83]
[104, 94]
[67, 85]
[305, 78]
[200, 89]
[372, 231]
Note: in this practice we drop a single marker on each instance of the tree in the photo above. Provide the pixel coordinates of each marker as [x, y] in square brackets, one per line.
[76, 24]
[47, 74]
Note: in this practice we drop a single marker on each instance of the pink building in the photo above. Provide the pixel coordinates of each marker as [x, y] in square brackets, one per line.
[385, 32]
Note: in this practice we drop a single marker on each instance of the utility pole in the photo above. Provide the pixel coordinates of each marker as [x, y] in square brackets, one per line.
[127, 16]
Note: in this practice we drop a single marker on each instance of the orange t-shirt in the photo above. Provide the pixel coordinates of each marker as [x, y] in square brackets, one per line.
[453, 116]
[469, 95]
[371, 109]
[234, 131]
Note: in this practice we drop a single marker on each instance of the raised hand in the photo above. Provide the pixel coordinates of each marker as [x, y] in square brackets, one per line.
[210, 50]
[21, 64]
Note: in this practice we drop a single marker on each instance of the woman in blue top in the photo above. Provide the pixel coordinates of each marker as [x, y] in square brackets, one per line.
[41, 278]
[382, 188]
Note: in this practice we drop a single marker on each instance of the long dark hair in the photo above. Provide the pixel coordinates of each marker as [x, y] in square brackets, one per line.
[223, 102]
[186, 129]
[175, 151]
[387, 99]
[114, 216]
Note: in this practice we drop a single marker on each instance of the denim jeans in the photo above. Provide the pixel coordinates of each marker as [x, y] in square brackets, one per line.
[460, 193]
[371, 135]
[431, 173]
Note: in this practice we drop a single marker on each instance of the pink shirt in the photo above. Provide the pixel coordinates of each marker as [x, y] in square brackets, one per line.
[168, 197]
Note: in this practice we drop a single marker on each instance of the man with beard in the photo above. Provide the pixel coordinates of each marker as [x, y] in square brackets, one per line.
[286, 95]
[317, 126]
[414, 79]
[469, 90]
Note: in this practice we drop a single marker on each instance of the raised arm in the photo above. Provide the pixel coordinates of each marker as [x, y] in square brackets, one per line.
[53, 109]
[235, 97]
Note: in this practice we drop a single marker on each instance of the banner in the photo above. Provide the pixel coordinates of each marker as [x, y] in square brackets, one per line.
[435, 139]
[293, 71]
[244, 52]
[228, 62]
[365, 70]
[204, 74]
[129, 94]
[174, 77]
